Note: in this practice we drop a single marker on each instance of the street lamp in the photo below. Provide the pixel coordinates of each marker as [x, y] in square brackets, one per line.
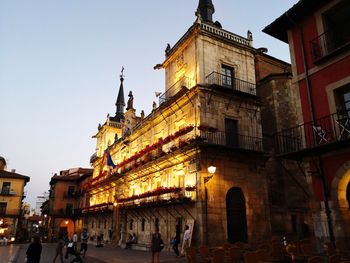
[211, 171]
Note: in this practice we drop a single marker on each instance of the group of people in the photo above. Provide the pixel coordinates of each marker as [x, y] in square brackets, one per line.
[3, 241]
[157, 243]
[71, 245]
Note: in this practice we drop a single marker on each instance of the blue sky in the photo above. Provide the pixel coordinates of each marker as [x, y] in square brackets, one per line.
[60, 63]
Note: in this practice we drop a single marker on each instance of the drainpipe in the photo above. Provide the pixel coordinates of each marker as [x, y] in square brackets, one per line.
[313, 119]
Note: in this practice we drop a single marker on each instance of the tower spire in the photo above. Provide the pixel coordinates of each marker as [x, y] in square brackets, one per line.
[120, 103]
[206, 10]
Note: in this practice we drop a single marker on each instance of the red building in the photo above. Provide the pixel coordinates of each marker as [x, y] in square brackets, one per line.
[319, 39]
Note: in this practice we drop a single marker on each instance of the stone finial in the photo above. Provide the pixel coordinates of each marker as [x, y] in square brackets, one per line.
[154, 105]
[249, 35]
[130, 105]
[142, 115]
[206, 10]
[167, 49]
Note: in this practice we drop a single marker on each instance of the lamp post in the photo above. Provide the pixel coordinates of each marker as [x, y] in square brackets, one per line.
[211, 171]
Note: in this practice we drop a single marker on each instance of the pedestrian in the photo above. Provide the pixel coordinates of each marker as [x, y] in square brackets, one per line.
[187, 236]
[71, 251]
[59, 249]
[75, 241]
[84, 240]
[157, 245]
[176, 240]
[34, 250]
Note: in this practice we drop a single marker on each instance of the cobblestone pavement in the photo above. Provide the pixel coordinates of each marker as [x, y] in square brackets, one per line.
[106, 254]
[8, 253]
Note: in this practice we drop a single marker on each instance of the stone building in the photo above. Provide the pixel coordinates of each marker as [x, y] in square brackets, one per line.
[154, 169]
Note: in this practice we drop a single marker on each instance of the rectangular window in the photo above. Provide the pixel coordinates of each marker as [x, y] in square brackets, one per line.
[6, 186]
[3, 206]
[227, 76]
[69, 209]
[71, 191]
[231, 133]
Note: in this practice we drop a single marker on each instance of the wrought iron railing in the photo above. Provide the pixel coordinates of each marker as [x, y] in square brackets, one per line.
[326, 43]
[9, 212]
[184, 82]
[327, 130]
[233, 140]
[231, 83]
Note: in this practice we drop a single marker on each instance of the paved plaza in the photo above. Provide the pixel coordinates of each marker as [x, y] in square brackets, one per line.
[108, 254]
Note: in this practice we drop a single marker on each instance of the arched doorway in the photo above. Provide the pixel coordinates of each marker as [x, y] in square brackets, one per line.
[66, 226]
[236, 216]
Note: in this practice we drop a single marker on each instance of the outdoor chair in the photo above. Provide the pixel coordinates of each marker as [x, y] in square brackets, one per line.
[218, 256]
[191, 254]
[250, 257]
[234, 254]
[306, 250]
[334, 259]
[204, 253]
[316, 259]
[262, 255]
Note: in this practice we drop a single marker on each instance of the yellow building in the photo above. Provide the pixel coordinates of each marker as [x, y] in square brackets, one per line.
[11, 196]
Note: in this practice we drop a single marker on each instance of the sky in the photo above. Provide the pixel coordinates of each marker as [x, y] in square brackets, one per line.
[60, 63]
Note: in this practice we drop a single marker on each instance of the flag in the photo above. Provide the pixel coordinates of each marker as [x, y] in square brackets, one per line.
[109, 160]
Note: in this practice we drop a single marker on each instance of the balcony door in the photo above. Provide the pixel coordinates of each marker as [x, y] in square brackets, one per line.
[227, 76]
[236, 216]
[231, 133]
[6, 186]
[3, 206]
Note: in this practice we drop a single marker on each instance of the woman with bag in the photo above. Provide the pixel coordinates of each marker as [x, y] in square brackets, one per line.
[157, 245]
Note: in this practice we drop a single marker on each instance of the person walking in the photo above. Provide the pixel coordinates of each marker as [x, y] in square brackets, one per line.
[176, 240]
[157, 245]
[187, 236]
[84, 240]
[59, 249]
[34, 250]
[75, 241]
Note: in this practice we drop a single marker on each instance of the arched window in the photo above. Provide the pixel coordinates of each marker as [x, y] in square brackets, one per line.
[143, 225]
[348, 194]
[156, 224]
[131, 224]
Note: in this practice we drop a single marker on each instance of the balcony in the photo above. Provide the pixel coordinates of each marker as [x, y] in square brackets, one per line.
[232, 140]
[75, 194]
[183, 83]
[328, 43]
[10, 212]
[98, 209]
[237, 85]
[326, 134]
[65, 212]
[7, 192]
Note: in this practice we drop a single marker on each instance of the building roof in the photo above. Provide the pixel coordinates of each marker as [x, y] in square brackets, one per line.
[6, 174]
[73, 174]
[294, 15]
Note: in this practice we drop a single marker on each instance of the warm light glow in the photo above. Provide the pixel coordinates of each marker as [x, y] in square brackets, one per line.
[12, 239]
[66, 222]
[45, 215]
[40, 222]
[211, 169]
[115, 203]
[1, 222]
